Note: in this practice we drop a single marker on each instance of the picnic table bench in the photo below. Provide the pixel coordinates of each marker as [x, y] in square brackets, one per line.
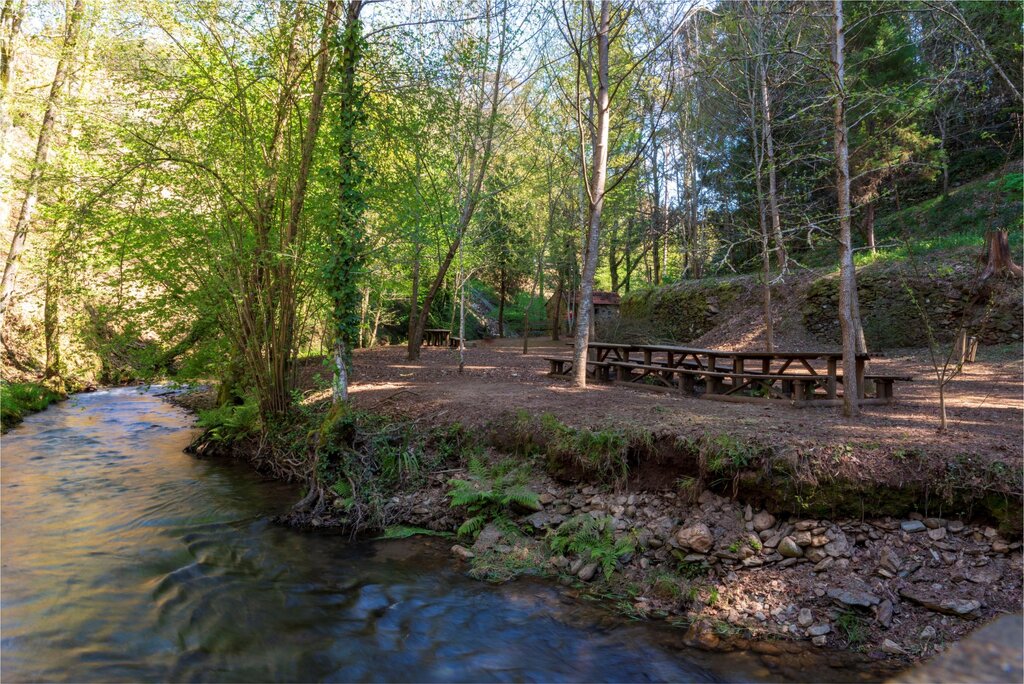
[436, 337]
[561, 365]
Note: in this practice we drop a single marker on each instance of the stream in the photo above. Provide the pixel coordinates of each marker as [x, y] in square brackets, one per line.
[124, 559]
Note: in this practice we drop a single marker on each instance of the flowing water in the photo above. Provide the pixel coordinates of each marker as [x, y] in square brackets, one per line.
[125, 559]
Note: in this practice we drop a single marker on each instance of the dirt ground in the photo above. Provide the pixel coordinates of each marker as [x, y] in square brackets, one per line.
[984, 404]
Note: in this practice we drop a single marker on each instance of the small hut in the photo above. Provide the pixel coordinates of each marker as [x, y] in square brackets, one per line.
[605, 308]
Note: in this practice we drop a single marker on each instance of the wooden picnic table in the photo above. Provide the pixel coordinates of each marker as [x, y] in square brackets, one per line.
[780, 374]
[436, 337]
[793, 368]
[782, 360]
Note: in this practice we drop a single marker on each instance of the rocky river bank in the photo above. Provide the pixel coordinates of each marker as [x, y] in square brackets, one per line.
[736, 577]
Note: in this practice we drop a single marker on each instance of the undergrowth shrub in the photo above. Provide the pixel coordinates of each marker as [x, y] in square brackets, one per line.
[18, 399]
[599, 454]
[228, 423]
[490, 494]
[594, 540]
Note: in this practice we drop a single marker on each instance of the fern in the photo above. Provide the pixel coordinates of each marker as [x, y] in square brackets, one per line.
[489, 494]
[593, 539]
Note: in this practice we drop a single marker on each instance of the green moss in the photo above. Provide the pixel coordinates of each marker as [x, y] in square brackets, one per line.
[19, 399]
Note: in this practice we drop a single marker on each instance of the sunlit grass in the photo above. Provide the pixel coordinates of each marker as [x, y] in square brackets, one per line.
[18, 399]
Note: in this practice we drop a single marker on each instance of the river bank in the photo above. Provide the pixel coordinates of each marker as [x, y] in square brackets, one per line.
[702, 531]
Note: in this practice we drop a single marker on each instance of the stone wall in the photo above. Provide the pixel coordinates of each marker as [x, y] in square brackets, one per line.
[686, 310]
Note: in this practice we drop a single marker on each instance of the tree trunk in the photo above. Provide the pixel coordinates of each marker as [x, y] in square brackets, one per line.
[53, 103]
[556, 318]
[868, 226]
[501, 305]
[599, 173]
[998, 258]
[773, 194]
[415, 298]
[847, 273]
[51, 323]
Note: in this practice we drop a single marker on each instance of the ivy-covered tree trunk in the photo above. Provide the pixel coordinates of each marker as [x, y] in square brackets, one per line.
[346, 258]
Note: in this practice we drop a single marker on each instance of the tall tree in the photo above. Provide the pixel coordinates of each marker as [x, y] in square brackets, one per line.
[847, 272]
[72, 29]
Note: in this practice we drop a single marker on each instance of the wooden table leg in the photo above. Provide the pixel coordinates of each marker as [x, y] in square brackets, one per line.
[737, 367]
[830, 389]
[860, 378]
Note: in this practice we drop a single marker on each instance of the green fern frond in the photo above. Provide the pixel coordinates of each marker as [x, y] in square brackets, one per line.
[472, 527]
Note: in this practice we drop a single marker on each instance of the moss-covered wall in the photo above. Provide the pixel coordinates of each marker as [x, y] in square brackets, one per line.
[684, 311]
[892, 297]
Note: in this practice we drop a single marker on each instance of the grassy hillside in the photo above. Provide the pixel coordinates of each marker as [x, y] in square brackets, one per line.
[951, 223]
[926, 266]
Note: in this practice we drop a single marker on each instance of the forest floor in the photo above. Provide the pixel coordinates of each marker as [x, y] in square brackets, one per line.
[984, 404]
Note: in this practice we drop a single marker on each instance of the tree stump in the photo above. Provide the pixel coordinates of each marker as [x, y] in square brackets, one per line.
[998, 259]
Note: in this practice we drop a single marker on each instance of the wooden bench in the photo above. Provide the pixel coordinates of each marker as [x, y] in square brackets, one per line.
[453, 342]
[561, 365]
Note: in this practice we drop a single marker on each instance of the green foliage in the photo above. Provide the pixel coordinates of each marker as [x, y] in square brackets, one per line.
[592, 539]
[18, 399]
[230, 423]
[599, 453]
[727, 454]
[490, 494]
[404, 532]
[853, 627]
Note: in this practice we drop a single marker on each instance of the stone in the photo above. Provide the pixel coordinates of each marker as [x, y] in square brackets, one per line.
[1000, 546]
[576, 566]
[763, 521]
[890, 646]
[963, 608]
[888, 560]
[955, 526]
[819, 640]
[884, 614]
[748, 514]
[545, 498]
[819, 630]
[934, 523]
[802, 537]
[819, 540]
[937, 533]
[697, 537]
[789, 548]
[928, 633]
[462, 552]
[488, 537]
[912, 526]
[587, 572]
[544, 519]
[805, 525]
[839, 546]
[853, 597]
[805, 617]
[986, 574]
[989, 532]
[560, 562]
[815, 554]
